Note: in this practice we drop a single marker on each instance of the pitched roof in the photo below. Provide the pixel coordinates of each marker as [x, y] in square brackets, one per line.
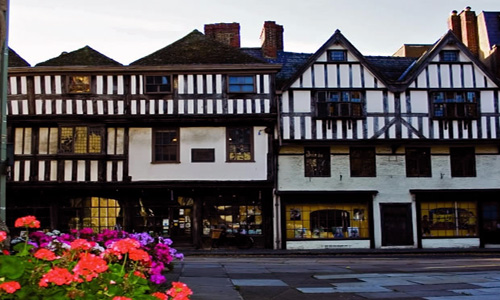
[290, 61]
[85, 56]
[16, 61]
[448, 39]
[196, 48]
[336, 38]
[391, 67]
[492, 22]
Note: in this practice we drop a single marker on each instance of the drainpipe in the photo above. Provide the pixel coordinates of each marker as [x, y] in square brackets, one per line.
[4, 5]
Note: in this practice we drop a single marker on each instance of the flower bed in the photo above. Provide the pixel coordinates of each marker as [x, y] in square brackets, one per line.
[85, 265]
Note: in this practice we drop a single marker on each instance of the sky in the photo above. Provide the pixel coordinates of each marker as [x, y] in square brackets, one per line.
[126, 30]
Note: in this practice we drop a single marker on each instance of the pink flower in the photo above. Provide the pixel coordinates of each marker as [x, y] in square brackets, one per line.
[160, 296]
[10, 286]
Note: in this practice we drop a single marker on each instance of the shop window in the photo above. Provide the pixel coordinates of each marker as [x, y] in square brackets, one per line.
[239, 218]
[158, 84]
[239, 144]
[317, 161]
[418, 162]
[241, 84]
[93, 212]
[166, 145]
[455, 105]
[463, 162]
[362, 161]
[81, 140]
[339, 104]
[328, 221]
[79, 84]
[448, 219]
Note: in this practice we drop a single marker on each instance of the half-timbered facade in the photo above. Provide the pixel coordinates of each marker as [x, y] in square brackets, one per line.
[389, 151]
[177, 143]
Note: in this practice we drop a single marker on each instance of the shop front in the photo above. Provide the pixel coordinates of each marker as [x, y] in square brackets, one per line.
[327, 221]
[458, 219]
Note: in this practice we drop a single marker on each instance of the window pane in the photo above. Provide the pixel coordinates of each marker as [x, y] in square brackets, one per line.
[67, 139]
[165, 148]
[338, 55]
[158, 84]
[79, 84]
[449, 218]
[418, 162]
[463, 162]
[327, 221]
[240, 144]
[317, 162]
[362, 162]
[241, 84]
[80, 140]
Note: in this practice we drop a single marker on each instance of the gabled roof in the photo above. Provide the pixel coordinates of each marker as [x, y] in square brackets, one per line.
[336, 38]
[85, 56]
[16, 61]
[290, 61]
[492, 23]
[196, 48]
[449, 38]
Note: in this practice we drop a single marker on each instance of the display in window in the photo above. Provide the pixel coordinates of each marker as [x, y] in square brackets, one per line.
[457, 219]
[338, 221]
[233, 219]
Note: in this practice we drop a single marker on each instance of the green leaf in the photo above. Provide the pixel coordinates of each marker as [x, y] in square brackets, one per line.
[11, 267]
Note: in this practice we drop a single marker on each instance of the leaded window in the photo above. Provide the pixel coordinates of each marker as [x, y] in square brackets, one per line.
[81, 140]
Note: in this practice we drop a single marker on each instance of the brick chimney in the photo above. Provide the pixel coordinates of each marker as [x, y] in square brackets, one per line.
[470, 35]
[455, 24]
[226, 33]
[271, 38]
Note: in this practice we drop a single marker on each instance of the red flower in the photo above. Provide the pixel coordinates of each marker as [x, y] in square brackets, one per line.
[121, 298]
[89, 266]
[28, 221]
[3, 236]
[160, 296]
[45, 254]
[10, 286]
[82, 244]
[6, 252]
[179, 291]
[58, 276]
[139, 274]
[125, 245]
[138, 254]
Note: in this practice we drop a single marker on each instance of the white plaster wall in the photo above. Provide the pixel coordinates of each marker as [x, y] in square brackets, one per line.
[141, 167]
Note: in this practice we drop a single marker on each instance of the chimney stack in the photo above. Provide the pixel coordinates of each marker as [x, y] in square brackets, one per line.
[271, 38]
[470, 35]
[455, 25]
[226, 33]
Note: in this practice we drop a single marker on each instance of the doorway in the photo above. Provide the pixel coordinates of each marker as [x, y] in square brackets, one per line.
[490, 225]
[396, 225]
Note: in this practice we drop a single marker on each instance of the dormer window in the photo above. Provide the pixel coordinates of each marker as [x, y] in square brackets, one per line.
[241, 84]
[79, 84]
[337, 55]
[158, 85]
[448, 56]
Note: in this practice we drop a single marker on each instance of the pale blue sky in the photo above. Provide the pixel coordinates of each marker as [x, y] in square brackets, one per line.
[126, 30]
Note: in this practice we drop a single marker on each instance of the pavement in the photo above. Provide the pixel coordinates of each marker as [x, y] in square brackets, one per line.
[280, 275]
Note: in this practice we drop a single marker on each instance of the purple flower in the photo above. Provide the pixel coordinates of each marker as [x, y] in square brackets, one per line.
[143, 238]
[165, 241]
[158, 279]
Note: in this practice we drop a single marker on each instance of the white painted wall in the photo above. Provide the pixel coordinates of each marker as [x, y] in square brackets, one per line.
[141, 168]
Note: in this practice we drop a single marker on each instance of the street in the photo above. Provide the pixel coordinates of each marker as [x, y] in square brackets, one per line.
[409, 277]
